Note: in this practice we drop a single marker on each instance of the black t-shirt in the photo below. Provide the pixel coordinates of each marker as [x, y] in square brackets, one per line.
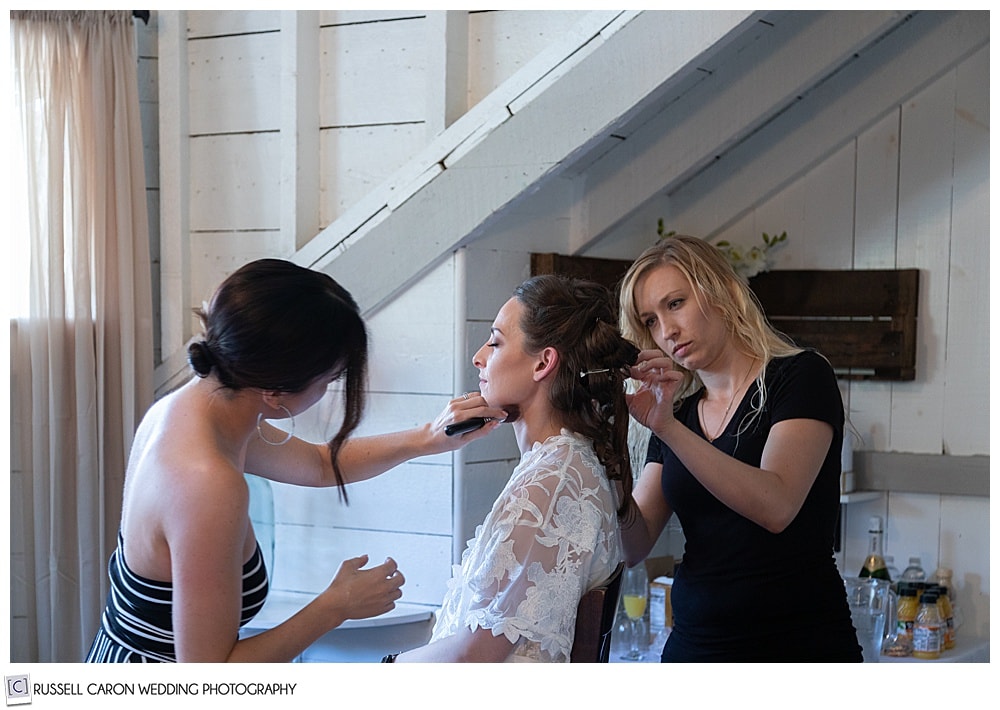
[743, 593]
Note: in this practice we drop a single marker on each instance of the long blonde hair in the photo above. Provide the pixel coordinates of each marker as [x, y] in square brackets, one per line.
[716, 286]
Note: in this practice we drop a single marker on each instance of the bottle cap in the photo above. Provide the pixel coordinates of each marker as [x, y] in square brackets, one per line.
[875, 524]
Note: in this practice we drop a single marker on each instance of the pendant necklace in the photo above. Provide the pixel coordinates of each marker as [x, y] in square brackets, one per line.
[722, 426]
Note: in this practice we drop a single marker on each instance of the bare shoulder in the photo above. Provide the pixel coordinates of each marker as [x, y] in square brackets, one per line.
[179, 487]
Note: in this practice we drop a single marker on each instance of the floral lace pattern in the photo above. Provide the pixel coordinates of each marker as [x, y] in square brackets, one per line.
[551, 536]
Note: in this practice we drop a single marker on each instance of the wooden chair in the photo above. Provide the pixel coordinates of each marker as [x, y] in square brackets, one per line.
[595, 618]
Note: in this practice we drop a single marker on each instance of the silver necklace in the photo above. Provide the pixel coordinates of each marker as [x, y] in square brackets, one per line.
[725, 416]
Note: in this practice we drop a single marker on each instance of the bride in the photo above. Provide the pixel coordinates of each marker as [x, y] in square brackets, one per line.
[556, 364]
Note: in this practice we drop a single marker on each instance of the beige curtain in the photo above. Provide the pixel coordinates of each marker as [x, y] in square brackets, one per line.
[81, 344]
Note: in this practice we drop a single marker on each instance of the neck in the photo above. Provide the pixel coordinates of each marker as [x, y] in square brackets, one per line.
[535, 424]
[724, 383]
[232, 416]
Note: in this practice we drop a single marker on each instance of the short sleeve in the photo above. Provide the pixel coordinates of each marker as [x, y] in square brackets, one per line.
[805, 387]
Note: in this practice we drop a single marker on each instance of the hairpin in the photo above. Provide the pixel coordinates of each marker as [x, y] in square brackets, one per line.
[584, 373]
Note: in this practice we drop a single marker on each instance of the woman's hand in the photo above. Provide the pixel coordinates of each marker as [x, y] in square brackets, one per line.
[357, 593]
[460, 409]
[652, 404]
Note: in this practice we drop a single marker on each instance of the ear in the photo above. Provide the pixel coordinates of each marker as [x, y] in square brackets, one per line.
[548, 361]
[272, 399]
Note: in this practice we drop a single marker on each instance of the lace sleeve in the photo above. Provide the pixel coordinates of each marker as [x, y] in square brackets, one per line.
[545, 532]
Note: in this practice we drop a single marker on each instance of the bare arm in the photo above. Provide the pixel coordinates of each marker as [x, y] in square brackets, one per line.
[207, 534]
[355, 593]
[479, 646]
[771, 495]
[651, 514]
[306, 464]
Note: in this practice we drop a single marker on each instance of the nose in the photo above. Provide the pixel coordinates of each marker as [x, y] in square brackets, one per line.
[668, 329]
[479, 359]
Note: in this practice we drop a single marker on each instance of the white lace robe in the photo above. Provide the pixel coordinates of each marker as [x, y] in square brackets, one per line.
[551, 536]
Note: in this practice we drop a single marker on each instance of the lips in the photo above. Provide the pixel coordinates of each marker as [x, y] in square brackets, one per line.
[680, 350]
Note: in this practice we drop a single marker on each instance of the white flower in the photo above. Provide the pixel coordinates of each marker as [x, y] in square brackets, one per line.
[747, 262]
[752, 261]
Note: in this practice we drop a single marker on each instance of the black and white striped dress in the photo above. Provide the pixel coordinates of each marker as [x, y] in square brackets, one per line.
[137, 626]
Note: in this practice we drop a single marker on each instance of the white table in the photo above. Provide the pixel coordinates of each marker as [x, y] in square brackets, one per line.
[356, 640]
[967, 650]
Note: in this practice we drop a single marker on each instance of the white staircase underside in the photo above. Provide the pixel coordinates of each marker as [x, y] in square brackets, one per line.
[650, 98]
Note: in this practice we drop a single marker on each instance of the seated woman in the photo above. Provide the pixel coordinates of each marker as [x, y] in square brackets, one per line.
[556, 364]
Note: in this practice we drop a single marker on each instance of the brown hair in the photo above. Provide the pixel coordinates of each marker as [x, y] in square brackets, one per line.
[578, 319]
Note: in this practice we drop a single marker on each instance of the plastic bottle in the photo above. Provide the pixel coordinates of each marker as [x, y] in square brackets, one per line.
[906, 616]
[944, 609]
[927, 628]
[892, 569]
[942, 577]
[914, 572]
[874, 565]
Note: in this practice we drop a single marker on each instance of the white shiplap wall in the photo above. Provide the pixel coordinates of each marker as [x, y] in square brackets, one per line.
[886, 198]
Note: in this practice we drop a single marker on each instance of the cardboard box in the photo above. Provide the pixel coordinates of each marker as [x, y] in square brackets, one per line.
[660, 566]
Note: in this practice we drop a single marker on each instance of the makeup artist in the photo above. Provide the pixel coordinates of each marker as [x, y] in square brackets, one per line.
[188, 571]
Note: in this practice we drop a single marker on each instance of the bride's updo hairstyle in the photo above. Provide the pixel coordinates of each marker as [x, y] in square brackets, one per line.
[579, 319]
[276, 326]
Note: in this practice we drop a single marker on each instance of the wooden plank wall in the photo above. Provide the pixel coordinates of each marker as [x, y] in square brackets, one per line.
[906, 191]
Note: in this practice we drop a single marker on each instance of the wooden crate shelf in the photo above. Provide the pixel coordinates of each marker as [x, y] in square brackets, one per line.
[863, 321]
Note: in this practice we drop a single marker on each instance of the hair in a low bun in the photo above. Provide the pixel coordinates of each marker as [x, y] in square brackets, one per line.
[200, 358]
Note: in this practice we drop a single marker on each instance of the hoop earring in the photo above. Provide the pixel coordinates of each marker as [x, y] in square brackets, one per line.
[288, 436]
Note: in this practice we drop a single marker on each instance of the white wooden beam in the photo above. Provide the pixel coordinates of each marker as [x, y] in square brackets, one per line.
[175, 250]
[299, 127]
[460, 138]
[893, 70]
[733, 100]
[489, 170]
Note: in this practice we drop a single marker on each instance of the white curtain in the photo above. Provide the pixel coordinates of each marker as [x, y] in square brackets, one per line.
[81, 339]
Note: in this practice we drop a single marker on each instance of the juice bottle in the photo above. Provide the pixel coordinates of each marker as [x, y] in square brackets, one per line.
[944, 609]
[927, 628]
[906, 616]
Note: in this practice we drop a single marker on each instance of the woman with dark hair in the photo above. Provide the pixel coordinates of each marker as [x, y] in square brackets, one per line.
[745, 448]
[188, 572]
[557, 364]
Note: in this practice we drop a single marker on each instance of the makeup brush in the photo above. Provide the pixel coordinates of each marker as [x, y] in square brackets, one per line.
[464, 427]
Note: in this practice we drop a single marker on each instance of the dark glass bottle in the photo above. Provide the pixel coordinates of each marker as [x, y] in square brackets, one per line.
[874, 565]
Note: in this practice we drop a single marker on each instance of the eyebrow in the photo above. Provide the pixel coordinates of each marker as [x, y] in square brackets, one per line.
[669, 296]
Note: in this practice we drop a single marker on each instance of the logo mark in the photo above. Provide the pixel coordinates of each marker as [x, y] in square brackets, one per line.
[18, 690]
